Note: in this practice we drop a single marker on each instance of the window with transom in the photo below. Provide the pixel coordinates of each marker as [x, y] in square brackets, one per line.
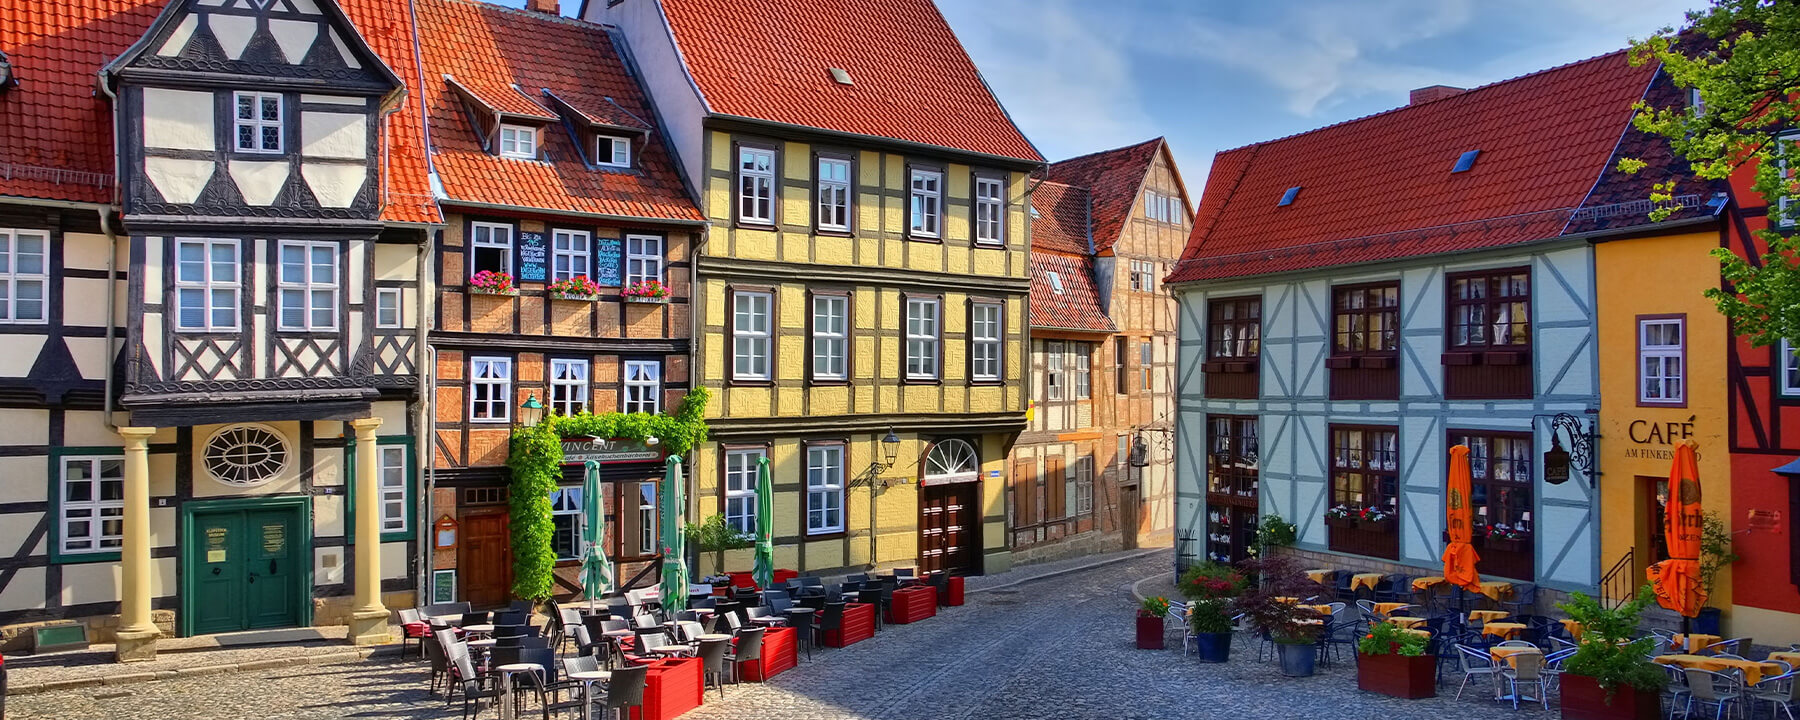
[1662, 352]
[922, 339]
[643, 259]
[490, 248]
[388, 313]
[740, 489]
[756, 185]
[24, 275]
[518, 141]
[394, 481]
[834, 194]
[1365, 320]
[1234, 329]
[571, 255]
[1231, 469]
[1490, 310]
[309, 285]
[569, 386]
[1053, 371]
[643, 386]
[612, 151]
[1365, 464]
[750, 335]
[990, 210]
[927, 203]
[91, 505]
[207, 284]
[830, 336]
[567, 510]
[824, 489]
[984, 342]
[1500, 474]
[490, 389]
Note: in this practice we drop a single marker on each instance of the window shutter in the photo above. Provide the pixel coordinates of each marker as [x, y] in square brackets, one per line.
[1055, 484]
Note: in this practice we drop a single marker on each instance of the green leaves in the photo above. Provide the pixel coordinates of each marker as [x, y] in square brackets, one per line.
[1607, 653]
[1389, 639]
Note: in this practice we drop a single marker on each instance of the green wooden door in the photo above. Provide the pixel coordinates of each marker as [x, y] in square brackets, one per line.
[247, 574]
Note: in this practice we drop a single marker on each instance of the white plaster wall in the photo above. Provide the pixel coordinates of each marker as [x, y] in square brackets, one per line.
[659, 64]
[393, 561]
[328, 515]
[178, 119]
[86, 251]
[88, 428]
[21, 353]
[178, 39]
[393, 418]
[26, 481]
[395, 262]
[24, 426]
[90, 583]
[232, 31]
[178, 180]
[294, 37]
[259, 181]
[328, 566]
[90, 355]
[18, 527]
[333, 100]
[334, 135]
[25, 591]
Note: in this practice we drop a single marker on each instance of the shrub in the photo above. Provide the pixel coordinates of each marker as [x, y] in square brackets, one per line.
[1389, 639]
[1266, 603]
[1275, 532]
[1209, 616]
[1211, 581]
[1154, 607]
[1607, 653]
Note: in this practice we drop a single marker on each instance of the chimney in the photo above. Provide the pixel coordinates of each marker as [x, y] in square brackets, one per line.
[1420, 96]
[547, 7]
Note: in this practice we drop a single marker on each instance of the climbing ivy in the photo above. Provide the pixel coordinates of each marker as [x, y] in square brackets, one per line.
[536, 460]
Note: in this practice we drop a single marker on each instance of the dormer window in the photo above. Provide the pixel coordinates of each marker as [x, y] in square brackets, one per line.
[258, 126]
[1056, 286]
[612, 151]
[518, 141]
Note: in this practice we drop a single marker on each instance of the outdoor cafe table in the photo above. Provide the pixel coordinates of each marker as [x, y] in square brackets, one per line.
[1320, 574]
[1364, 580]
[1693, 642]
[506, 673]
[1504, 630]
[1753, 671]
[1487, 615]
[1574, 627]
[1387, 608]
[1421, 584]
[1511, 654]
[1497, 590]
[1421, 632]
[587, 678]
[1320, 609]
[1791, 658]
[1405, 622]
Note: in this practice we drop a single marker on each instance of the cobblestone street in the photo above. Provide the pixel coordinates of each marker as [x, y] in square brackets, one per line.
[1059, 647]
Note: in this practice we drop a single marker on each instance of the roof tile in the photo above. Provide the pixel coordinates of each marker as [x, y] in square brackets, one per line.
[1113, 179]
[1061, 222]
[1077, 307]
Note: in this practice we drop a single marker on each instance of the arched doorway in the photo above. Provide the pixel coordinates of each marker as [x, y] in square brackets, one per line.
[950, 508]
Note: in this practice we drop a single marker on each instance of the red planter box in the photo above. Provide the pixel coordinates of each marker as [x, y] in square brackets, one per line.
[1584, 699]
[955, 595]
[672, 686]
[858, 625]
[1401, 676]
[778, 654]
[1149, 632]
[743, 579]
[912, 605]
[782, 576]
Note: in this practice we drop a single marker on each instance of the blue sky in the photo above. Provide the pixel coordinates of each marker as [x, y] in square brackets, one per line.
[1080, 76]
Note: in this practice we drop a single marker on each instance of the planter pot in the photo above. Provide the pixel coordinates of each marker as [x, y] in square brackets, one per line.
[646, 300]
[1149, 632]
[1583, 699]
[1381, 526]
[1213, 647]
[1340, 363]
[1507, 545]
[1401, 676]
[484, 291]
[574, 297]
[1341, 522]
[1297, 660]
[1707, 622]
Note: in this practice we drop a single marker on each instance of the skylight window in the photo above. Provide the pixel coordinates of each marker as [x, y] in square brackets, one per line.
[1056, 286]
[1466, 161]
[1287, 198]
[841, 76]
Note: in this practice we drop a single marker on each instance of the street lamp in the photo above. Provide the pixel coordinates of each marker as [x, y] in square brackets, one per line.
[890, 448]
[1140, 452]
[531, 411]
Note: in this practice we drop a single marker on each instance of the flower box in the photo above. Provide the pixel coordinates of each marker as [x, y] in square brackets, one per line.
[1149, 632]
[489, 291]
[1342, 522]
[646, 299]
[1375, 362]
[1508, 544]
[910, 605]
[671, 687]
[1384, 525]
[1582, 698]
[1403, 676]
[1461, 358]
[577, 297]
[1340, 363]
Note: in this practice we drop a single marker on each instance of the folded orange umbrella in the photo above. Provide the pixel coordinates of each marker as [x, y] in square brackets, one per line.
[1459, 555]
[1676, 581]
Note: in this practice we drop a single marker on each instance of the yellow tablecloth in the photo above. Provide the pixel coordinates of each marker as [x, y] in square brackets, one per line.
[1364, 580]
[1387, 608]
[1497, 590]
[1695, 641]
[1421, 632]
[1511, 654]
[1319, 575]
[1573, 627]
[1426, 583]
[1286, 599]
[1320, 609]
[1753, 670]
[1502, 629]
[1487, 615]
[1791, 658]
[1406, 622]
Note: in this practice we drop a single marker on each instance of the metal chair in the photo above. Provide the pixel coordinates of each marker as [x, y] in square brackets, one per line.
[1344, 591]
[1476, 663]
[1393, 588]
[1782, 692]
[712, 661]
[1523, 600]
[1553, 667]
[625, 691]
[475, 687]
[1719, 690]
[1524, 669]
[749, 647]
[1734, 646]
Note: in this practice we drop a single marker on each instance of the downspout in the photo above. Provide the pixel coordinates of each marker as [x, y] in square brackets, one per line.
[112, 256]
[424, 449]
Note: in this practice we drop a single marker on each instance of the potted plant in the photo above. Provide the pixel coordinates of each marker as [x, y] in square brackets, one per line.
[1392, 661]
[1610, 676]
[646, 291]
[1715, 554]
[575, 288]
[1269, 607]
[1211, 586]
[488, 282]
[1275, 532]
[1375, 519]
[1150, 623]
[1506, 538]
[714, 536]
[1342, 516]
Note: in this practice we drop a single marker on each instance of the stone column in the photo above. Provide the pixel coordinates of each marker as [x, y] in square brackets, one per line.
[368, 617]
[137, 632]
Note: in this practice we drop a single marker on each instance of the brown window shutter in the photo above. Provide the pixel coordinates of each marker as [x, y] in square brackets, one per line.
[1055, 501]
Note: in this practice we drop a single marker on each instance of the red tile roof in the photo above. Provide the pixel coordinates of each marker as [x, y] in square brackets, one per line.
[1380, 187]
[1061, 220]
[55, 125]
[771, 60]
[406, 181]
[1077, 307]
[1114, 179]
[488, 48]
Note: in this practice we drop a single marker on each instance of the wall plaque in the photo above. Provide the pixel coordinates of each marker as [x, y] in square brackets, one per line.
[532, 255]
[607, 258]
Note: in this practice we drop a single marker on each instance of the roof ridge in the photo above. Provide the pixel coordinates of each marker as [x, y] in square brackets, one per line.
[522, 12]
[1108, 151]
[1402, 108]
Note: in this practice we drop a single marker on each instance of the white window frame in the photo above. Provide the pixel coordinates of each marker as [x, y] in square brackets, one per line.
[760, 189]
[258, 123]
[1176, 210]
[1084, 379]
[499, 388]
[571, 254]
[209, 286]
[1084, 485]
[922, 338]
[740, 488]
[834, 195]
[522, 143]
[1053, 371]
[97, 511]
[751, 346]
[607, 149]
[830, 337]
[1786, 144]
[825, 483]
[1056, 283]
[572, 378]
[1143, 276]
[643, 259]
[1153, 205]
[573, 505]
[985, 342]
[926, 203]
[394, 482]
[1662, 354]
[990, 211]
[647, 519]
[1147, 364]
[310, 290]
[11, 279]
[390, 300]
[642, 386]
[1787, 366]
[493, 240]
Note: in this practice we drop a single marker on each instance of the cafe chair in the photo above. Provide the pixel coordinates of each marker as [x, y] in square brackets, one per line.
[1525, 670]
[1393, 588]
[475, 687]
[1476, 663]
[1710, 688]
[778, 601]
[413, 627]
[1781, 692]
[712, 663]
[1734, 646]
[569, 694]
[749, 647]
[1523, 600]
[1553, 666]
[625, 692]
[1344, 592]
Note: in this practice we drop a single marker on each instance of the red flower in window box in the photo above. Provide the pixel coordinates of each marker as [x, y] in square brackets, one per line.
[492, 283]
[647, 291]
[575, 288]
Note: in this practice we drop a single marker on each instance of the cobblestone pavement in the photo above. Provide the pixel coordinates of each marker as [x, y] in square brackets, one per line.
[1060, 647]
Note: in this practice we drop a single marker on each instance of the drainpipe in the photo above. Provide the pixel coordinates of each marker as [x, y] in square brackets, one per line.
[112, 292]
[423, 453]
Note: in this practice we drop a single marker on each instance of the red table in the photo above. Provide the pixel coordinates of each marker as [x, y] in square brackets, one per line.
[672, 686]
[912, 605]
[858, 625]
[955, 594]
[777, 655]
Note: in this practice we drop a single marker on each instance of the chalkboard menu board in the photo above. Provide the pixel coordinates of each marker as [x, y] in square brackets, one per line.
[606, 262]
[532, 254]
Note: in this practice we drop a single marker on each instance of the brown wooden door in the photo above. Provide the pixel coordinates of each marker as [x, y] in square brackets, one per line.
[485, 560]
[1128, 515]
[949, 529]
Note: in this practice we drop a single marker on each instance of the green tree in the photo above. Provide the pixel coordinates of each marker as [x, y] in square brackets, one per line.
[1743, 58]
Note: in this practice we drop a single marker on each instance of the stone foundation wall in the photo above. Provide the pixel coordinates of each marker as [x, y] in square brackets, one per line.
[1088, 543]
[326, 611]
[336, 610]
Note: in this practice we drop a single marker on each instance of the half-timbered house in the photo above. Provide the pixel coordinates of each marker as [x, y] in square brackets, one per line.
[214, 285]
[865, 277]
[551, 171]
